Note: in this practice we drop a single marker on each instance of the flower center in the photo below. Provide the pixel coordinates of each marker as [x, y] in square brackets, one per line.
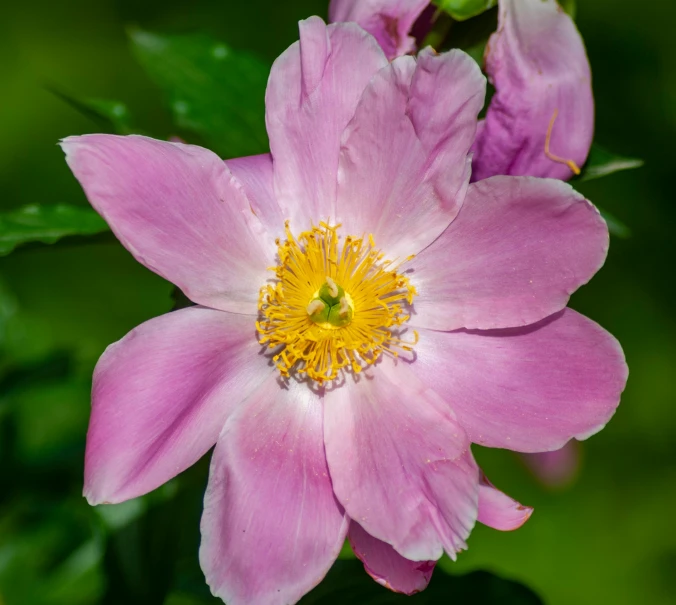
[333, 305]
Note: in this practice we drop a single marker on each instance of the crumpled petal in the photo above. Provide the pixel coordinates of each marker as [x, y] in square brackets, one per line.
[386, 566]
[498, 510]
[176, 209]
[516, 252]
[161, 396]
[404, 165]
[538, 65]
[312, 93]
[271, 527]
[400, 462]
[388, 21]
[527, 389]
[255, 174]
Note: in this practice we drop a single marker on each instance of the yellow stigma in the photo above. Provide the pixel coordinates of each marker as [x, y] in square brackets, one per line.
[333, 305]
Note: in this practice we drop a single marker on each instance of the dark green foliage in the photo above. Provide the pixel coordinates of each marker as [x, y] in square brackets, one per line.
[213, 90]
[46, 224]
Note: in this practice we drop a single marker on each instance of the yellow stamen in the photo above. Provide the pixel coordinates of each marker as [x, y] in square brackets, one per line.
[333, 305]
[555, 158]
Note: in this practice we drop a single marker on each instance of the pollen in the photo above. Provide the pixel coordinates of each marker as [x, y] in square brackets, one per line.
[336, 304]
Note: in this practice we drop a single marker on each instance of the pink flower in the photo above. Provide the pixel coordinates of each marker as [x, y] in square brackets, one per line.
[407, 314]
[541, 119]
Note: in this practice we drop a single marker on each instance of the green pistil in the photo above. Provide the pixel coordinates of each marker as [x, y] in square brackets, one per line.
[330, 306]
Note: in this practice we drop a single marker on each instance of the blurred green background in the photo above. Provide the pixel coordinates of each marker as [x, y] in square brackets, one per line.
[608, 538]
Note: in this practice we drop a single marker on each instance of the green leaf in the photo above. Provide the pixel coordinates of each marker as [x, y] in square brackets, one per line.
[213, 90]
[570, 6]
[461, 10]
[110, 116]
[46, 224]
[615, 226]
[602, 163]
[348, 582]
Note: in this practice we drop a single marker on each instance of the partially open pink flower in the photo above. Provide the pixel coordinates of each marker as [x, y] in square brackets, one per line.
[541, 119]
[388, 21]
[407, 314]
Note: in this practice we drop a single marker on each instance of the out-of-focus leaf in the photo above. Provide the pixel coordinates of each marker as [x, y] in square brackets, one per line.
[615, 226]
[213, 90]
[110, 116]
[48, 553]
[46, 224]
[602, 163]
[146, 555]
[570, 6]
[461, 10]
[348, 582]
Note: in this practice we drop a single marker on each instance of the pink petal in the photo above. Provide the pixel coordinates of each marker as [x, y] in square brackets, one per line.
[176, 209]
[539, 66]
[161, 396]
[312, 93]
[388, 21]
[255, 175]
[516, 252]
[271, 527]
[498, 510]
[527, 389]
[404, 167]
[557, 469]
[399, 462]
[386, 566]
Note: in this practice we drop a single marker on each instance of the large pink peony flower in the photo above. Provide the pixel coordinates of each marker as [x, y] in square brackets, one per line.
[364, 315]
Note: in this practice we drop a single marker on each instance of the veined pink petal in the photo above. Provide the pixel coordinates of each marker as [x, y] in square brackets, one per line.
[386, 566]
[312, 93]
[498, 510]
[400, 463]
[162, 394]
[404, 167]
[176, 209]
[516, 252]
[388, 21]
[255, 174]
[527, 389]
[271, 527]
[539, 67]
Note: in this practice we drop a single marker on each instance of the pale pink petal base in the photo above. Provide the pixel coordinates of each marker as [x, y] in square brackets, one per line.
[498, 510]
[271, 527]
[400, 463]
[161, 396]
[254, 174]
[526, 389]
[386, 566]
[519, 247]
